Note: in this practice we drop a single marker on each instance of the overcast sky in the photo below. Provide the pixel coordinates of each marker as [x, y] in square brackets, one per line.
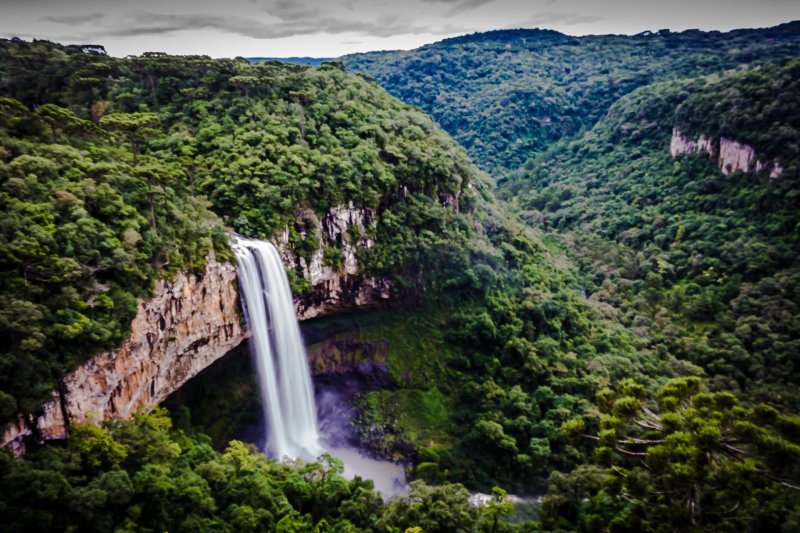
[228, 28]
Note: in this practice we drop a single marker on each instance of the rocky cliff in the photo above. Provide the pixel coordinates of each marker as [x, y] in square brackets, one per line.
[732, 156]
[337, 289]
[346, 352]
[190, 322]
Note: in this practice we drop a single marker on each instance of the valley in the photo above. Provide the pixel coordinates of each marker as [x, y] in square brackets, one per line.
[517, 263]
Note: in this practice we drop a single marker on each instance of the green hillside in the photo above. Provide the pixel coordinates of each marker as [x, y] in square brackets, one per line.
[618, 331]
[109, 168]
[505, 95]
[704, 265]
[265, 146]
[700, 265]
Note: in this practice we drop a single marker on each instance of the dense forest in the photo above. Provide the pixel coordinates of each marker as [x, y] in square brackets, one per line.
[507, 94]
[613, 327]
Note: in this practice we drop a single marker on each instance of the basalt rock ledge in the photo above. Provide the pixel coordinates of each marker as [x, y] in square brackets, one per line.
[188, 323]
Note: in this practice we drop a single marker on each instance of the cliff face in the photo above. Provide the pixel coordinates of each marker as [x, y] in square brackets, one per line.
[335, 290]
[346, 352]
[732, 156]
[189, 323]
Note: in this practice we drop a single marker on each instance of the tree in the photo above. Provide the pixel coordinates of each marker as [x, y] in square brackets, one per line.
[134, 128]
[695, 462]
[58, 118]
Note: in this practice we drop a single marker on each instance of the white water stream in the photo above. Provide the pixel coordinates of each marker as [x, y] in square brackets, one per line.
[284, 379]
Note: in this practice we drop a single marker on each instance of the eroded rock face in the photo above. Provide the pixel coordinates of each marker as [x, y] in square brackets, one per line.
[347, 352]
[732, 156]
[681, 144]
[336, 290]
[189, 323]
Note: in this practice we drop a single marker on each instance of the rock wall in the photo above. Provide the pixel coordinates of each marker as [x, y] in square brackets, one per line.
[189, 323]
[345, 352]
[732, 156]
[336, 290]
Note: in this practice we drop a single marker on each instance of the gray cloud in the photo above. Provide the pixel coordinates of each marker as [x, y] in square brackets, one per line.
[565, 19]
[456, 7]
[292, 24]
[466, 5]
[75, 19]
[320, 27]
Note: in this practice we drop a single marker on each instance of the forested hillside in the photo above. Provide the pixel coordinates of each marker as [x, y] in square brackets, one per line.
[621, 334]
[169, 140]
[699, 262]
[703, 265]
[696, 259]
[107, 164]
[505, 95]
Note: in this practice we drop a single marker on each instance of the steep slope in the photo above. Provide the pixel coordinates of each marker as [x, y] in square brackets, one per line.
[682, 206]
[349, 179]
[106, 164]
[505, 95]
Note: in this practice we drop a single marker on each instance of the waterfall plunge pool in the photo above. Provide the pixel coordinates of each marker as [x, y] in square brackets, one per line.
[288, 405]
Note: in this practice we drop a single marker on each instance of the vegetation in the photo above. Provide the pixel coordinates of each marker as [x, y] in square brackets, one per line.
[83, 232]
[505, 95]
[702, 265]
[631, 350]
[700, 461]
[141, 475]
[105, 185]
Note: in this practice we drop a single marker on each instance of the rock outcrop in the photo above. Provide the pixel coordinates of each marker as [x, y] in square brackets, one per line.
[732, 156]
[346, 352]
[190, 322]
[335, 290]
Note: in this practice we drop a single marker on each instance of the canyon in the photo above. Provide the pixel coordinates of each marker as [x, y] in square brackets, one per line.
[188, 323]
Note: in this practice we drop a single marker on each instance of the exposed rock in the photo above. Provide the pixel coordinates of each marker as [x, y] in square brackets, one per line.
[335, 290]
[776, 171]
[681, 144]
[189, 323]
[346, 352]
[732, 156]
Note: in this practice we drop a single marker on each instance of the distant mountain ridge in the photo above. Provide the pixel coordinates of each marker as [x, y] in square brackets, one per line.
[508, 94]
[308, 61]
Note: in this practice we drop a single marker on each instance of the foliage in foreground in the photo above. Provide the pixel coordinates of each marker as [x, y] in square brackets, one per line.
[691, 460]
[140, 475]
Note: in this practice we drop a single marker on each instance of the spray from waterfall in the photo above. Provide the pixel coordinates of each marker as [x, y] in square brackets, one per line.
[286, 391]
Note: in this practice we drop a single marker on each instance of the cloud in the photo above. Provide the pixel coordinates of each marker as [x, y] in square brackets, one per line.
[290, 24]
[563, 19]
[466, 5]
[75, 19]
[457, 7]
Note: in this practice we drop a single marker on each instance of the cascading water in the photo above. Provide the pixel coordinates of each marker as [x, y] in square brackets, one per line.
[279, 352]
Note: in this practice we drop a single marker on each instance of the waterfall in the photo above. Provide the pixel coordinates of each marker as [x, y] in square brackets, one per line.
[283, 375]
